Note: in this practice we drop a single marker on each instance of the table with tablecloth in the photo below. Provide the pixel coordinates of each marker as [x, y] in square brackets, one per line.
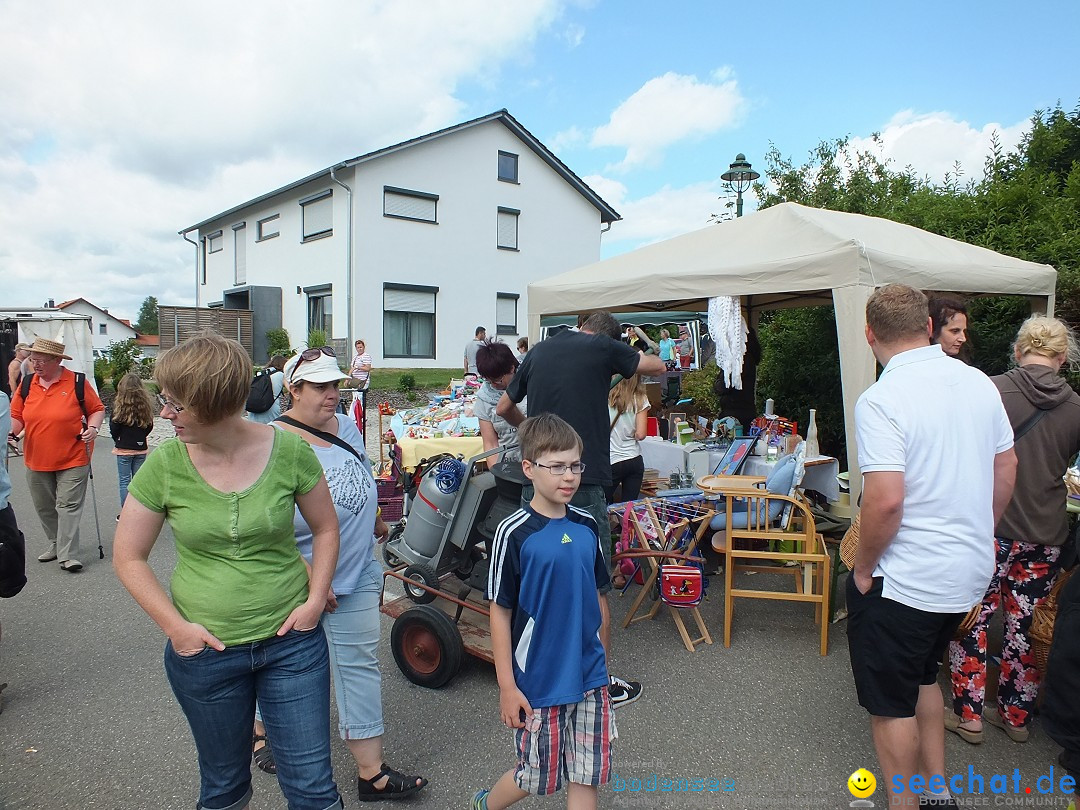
[413, 451]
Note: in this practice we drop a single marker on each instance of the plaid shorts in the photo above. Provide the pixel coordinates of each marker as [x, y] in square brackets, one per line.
[571, 742]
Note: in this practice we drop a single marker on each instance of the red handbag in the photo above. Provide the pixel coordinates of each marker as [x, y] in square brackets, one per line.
[681, 585]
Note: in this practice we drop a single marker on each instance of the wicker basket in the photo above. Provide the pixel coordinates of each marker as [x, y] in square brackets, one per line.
[1042, 623]
[850, 544]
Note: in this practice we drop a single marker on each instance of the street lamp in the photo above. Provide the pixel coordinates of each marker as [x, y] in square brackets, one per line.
[739, 176]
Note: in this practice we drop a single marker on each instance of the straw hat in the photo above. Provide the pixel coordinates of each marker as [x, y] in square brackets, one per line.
[46, 346]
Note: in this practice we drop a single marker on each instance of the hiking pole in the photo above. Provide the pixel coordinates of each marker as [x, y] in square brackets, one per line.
[93, 499]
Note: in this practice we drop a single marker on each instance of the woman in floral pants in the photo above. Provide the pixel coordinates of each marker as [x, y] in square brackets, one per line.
[1045, 415]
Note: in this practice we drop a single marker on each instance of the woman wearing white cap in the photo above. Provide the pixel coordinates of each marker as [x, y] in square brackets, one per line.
[352, 621]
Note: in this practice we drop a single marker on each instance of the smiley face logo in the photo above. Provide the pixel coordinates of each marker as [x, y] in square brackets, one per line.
[861, 783]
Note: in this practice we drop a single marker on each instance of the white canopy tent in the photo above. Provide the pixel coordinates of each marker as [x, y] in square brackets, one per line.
[790, 255]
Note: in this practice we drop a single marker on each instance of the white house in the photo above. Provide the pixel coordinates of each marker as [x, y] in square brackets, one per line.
[105, 328]
[410, 247]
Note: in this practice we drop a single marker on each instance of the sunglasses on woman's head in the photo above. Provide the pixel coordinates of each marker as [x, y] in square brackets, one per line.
[311, 354]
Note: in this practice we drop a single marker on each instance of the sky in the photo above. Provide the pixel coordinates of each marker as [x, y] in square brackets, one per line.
[123, 122]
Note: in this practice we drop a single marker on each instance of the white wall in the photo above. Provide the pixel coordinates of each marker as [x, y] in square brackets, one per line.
[558, 230]
[115, 330]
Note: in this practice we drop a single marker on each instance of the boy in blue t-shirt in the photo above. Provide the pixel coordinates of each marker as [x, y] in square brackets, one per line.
[543, 584]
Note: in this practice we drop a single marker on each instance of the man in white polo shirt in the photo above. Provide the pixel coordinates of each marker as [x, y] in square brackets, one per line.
[935, 451]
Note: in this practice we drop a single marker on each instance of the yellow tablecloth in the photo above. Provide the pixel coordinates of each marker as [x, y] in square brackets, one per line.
[413, 451]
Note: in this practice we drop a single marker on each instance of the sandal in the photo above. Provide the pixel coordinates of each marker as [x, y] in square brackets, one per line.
[263, 756]
[397, 786]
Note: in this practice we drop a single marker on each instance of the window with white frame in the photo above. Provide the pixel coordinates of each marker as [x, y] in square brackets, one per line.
[240, 253]
[508, 228]
[321, 308]
[215, 241]
[506, 305]
[409, 320]
[508, 167]
[403, 203]
[318, 215]
[268, 228]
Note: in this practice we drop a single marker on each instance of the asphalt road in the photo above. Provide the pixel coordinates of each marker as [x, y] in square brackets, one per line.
[89, 720]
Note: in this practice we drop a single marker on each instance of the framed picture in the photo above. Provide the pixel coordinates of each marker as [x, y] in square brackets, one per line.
[733, 459]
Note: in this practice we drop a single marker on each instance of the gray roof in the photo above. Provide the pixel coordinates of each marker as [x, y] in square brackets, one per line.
[607, 213]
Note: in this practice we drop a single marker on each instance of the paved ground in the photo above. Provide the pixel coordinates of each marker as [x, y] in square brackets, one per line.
[89, 721]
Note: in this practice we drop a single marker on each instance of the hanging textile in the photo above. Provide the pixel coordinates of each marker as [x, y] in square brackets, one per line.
[728, 329]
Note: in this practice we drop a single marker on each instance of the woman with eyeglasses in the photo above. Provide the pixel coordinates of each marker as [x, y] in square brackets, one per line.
[351, 622]
[243, 618]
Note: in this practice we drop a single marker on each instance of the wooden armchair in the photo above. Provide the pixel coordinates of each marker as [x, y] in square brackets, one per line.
[785, 526]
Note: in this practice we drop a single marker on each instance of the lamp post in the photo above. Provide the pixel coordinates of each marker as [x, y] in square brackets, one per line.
[739, 176]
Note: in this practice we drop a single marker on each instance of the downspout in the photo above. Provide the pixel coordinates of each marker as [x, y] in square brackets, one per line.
[348, 261]
[196, 244]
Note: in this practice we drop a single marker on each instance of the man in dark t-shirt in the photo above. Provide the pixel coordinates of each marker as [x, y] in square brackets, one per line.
[570, 375]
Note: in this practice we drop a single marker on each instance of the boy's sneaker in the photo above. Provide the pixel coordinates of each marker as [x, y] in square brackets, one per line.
[623, 692]
[479, 800]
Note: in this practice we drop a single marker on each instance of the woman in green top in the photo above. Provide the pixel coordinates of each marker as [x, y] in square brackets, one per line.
[243, 620]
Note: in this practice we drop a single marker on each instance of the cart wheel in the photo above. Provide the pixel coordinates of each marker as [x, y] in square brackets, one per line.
[427, 646]
[391, 559]
[425, 575]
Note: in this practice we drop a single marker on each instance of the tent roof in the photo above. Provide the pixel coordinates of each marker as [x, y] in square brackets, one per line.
[788, 248]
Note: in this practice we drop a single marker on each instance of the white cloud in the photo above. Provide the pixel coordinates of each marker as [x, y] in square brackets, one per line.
[669, 109]
[574, 35]
[126, 122]
[661, 215]
[931, 143]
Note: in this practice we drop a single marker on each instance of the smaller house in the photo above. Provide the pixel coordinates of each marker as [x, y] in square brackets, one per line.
[105, 328]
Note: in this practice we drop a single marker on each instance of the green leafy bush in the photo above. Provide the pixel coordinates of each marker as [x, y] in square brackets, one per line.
[277, 342]
[698, 386]
[317, 338]
[123, 355]
[406, 383]
[101, 372]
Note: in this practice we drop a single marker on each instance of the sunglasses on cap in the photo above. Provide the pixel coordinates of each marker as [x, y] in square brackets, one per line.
[311, 354]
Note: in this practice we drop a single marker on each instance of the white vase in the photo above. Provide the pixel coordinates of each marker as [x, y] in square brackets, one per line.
[812, 448]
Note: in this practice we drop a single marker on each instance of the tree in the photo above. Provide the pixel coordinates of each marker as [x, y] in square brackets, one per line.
[123, 354]
[1026, 204]
[147, 324]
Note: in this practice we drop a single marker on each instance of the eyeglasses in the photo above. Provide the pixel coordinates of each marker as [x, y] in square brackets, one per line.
[165, 403]
[311, 354]
[577, 468]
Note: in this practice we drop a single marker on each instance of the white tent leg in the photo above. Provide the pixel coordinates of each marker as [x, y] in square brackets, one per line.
[858, 368]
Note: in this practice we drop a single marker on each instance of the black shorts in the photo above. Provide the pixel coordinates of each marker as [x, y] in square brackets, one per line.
[894, 649]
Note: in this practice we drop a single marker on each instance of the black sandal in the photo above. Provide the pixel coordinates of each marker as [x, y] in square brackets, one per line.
[264, 757]
[397, 786]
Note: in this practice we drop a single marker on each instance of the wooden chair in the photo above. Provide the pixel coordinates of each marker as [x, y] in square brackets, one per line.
[789, 521]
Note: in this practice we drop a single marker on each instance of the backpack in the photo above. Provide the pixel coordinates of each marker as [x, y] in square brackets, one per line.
[12, 555]
[80, 389]
[261, 398]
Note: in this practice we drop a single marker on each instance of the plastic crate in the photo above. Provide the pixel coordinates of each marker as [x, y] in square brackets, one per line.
[392, 508]
[387, 488]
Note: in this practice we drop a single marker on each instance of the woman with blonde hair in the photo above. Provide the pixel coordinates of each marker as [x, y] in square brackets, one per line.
[1045, 415]
[130, 424]
[242, 615]
[628, 412]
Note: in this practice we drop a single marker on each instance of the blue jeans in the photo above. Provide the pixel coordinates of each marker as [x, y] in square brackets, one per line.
[126, 467]
[217, 690]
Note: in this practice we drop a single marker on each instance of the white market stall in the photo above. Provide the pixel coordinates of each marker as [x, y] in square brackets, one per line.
[791, 255]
